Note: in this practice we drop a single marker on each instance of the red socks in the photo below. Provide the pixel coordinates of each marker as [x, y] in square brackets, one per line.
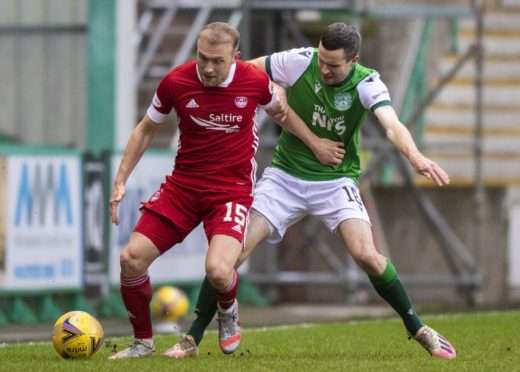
[227, 297]
[137, 293]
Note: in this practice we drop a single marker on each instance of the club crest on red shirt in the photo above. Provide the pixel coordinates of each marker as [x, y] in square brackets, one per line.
[241, 101]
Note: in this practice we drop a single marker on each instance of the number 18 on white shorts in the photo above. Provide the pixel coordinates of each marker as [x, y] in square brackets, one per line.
[284, 200]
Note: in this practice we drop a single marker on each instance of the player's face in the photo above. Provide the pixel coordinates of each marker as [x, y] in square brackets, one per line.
[214, 61]
[333, 66]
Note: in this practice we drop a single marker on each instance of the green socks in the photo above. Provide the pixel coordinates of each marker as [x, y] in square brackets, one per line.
[389, 287]
[204, 311]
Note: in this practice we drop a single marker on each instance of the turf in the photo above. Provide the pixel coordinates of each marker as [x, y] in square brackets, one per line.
[484, 341]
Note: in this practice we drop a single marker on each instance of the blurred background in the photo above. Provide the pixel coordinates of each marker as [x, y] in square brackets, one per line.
[77, 75]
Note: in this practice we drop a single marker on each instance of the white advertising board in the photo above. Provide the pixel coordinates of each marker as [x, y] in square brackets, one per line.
[43, 231]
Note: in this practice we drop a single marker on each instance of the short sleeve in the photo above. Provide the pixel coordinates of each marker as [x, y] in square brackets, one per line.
[286, 67]
[373, 93]
[162, 101]
[268, 95]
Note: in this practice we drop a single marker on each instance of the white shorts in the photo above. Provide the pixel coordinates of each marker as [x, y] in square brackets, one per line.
[284, 200]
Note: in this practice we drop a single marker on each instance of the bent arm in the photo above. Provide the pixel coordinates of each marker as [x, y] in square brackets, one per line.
[399, 135]
[327, 152]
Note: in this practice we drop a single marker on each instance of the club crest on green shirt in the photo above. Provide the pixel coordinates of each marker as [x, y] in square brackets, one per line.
[343, 101]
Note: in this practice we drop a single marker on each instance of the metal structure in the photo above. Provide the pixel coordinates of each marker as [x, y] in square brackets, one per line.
[160, 20]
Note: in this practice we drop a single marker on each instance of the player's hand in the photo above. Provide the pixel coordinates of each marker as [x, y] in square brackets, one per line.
[118, 192]
[278, 110]
[431, 170]
[328, 152]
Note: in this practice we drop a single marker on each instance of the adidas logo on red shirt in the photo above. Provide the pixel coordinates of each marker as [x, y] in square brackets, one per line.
[192, 104]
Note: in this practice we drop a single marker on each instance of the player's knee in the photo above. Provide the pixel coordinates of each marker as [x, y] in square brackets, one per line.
[131, 264]
[368, 262]
[218, 274]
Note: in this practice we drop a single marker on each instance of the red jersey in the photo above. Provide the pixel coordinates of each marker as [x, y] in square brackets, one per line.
[218, 133]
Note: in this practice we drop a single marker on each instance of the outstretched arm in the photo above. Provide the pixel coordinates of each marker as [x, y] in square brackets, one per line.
[137, 144]
[399, 135]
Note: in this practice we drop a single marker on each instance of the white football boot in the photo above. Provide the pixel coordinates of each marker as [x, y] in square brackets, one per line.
[229, 329]
[138, 349]
[184, 348]
[434, 343]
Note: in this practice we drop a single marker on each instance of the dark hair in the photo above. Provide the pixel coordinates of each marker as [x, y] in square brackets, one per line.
[342, 36]
[221, 32]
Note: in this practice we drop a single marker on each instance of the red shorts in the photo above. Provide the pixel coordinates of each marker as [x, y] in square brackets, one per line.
[174, 211]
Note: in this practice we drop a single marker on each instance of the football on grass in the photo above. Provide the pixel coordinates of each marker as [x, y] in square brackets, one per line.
[77, 335]
[169, 304]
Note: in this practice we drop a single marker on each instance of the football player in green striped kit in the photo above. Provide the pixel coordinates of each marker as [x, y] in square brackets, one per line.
[332, 94]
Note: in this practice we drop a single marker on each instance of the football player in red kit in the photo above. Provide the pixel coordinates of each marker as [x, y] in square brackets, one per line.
[215, 99]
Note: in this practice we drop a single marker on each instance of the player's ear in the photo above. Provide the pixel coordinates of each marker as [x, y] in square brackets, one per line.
[237, 55]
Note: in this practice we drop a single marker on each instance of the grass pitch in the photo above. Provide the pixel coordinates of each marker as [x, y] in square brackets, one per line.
[484, 342]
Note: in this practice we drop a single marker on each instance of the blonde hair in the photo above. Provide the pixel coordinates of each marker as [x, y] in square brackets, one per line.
[221, 32]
